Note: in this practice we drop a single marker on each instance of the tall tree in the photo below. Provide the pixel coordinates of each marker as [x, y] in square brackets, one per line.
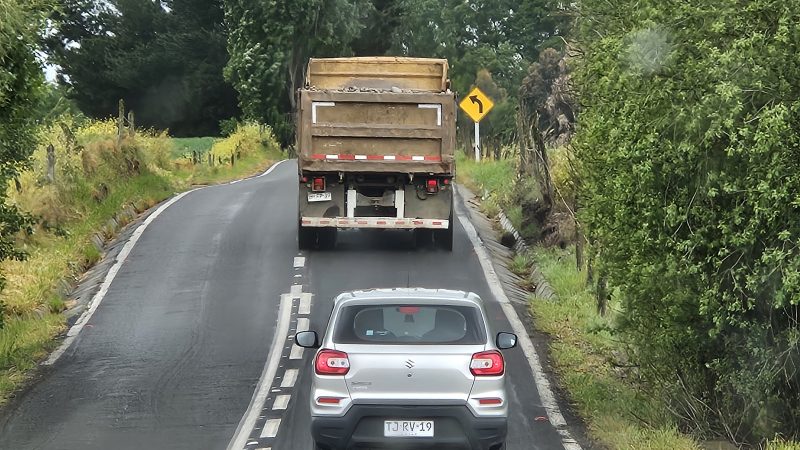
[376, 36]
[270, 43]
[165, 59]
[21, 22]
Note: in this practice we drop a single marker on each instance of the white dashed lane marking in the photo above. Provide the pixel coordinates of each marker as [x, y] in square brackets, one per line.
[297, 352]
[305, 305]
[302, 324]
[289, 378]
[271, 428]
[281, 402]
[273, 399]
[296, 291]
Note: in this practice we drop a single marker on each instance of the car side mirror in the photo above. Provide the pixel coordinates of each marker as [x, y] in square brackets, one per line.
[506, 341]
[307, 339]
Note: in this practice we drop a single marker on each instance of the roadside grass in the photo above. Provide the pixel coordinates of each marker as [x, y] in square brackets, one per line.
[783, 445]
[185, 146]
[492, 180]
[584, 351]
[94, 182]
[587, 357]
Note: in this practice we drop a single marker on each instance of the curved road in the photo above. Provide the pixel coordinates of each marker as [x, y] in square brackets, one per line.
[191, 349]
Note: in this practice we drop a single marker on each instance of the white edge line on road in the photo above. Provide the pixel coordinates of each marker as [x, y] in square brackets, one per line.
[248, 422]
[76, 328]
[273, 167]
[542, 383]
[73, 332]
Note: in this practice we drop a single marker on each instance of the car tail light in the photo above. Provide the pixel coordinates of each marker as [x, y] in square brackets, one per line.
[331, 362]
[490, 401]
[318, 184]
[432, 185]
[489, 363]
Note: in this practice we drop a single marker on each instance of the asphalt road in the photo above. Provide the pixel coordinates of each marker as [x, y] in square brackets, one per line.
[172, 357]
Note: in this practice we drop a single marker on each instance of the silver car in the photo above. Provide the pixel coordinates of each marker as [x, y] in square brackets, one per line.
[408, 368]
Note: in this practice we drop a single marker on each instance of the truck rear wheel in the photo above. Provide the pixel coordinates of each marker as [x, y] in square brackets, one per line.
[422, 238]
[327, 238]
[306, 238]
[444, 238]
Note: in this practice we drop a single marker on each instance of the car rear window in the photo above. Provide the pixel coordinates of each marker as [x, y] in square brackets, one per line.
[409, 324]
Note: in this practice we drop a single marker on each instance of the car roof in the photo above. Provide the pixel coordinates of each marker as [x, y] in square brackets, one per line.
[411, 294]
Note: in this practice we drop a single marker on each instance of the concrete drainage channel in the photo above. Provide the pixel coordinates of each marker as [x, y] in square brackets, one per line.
[515, 302]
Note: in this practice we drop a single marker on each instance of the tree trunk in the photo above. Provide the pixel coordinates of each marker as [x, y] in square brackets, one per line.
[602, 295]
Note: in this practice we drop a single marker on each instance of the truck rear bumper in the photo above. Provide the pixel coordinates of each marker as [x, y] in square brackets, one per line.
[374, 222]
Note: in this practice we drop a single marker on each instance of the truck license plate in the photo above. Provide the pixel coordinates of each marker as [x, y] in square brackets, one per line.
[319, 197]
[408, 428]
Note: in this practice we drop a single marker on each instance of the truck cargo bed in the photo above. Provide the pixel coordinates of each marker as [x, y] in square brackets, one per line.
[385, 132]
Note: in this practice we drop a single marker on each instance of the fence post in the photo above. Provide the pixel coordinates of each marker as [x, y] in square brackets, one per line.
[51, 164]
[131, 124]
[210, 159]
[233, 160]
[121, 122]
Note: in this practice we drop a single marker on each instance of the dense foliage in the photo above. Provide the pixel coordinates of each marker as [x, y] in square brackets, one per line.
[690, 152]
[270, 43]
[165, 59]
[20, 91]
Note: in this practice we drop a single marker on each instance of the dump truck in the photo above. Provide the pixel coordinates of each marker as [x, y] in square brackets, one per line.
[375, 146]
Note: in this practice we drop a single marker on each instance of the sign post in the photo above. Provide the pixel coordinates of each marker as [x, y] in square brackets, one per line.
[477, 141]
[477, 105]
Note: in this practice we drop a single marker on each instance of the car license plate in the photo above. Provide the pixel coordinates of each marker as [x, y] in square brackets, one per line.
[319, 197]
[408, 428]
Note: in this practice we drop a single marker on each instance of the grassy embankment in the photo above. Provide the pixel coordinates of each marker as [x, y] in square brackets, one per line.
[585, 352]
[583, 348]
[95, 180]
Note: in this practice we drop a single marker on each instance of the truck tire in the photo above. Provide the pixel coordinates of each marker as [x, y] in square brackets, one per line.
[422, 238]
[444, 238]
[306, 237]
[327, 238]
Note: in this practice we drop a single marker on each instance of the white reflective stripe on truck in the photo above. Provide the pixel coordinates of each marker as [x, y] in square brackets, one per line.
[438, 109]
[314, 106]
[400, 203]
[375, 222]
[348, 157]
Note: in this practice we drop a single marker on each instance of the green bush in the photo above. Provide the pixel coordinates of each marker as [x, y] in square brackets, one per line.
[689, 148]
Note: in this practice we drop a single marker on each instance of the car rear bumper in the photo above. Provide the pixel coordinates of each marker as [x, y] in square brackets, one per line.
[455, 427]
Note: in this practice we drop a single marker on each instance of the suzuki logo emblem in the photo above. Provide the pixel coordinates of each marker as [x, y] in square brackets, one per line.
[409, 363]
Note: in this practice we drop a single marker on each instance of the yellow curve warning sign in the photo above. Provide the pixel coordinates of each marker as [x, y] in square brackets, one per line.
[477, 105]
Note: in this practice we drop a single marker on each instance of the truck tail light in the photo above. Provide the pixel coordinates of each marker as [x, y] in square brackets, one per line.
[318, 184]
[489, 363]
[331, 362]
[432, 185]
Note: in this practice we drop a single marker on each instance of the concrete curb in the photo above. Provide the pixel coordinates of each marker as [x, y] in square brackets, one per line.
[543, 289]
